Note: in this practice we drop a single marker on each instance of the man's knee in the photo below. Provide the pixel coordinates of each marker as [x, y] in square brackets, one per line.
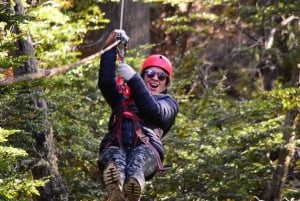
[114, 154]
[142, 160]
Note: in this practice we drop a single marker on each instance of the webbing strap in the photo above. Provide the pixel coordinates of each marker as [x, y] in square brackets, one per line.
[145, 139]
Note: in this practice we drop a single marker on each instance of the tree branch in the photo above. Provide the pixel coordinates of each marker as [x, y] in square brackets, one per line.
[288, 20]
[54, 71]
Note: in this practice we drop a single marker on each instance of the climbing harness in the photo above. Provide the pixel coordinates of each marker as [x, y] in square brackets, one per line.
[141, 135]
[137, 125]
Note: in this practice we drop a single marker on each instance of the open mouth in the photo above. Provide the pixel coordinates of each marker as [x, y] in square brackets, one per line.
[153, 85]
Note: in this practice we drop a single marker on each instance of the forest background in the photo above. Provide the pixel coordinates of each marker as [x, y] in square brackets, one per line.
[236, 78]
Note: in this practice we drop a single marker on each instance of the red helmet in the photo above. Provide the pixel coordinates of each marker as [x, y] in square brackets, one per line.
[157, 60]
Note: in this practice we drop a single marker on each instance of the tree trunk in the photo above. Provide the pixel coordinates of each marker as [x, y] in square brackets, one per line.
[46, 163]
[286, 153]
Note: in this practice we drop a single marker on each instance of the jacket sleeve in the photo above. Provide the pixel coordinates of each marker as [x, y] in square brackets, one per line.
[106, 79]
[158, 111]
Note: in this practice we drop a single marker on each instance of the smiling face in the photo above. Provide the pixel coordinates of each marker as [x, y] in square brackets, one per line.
[156, 79]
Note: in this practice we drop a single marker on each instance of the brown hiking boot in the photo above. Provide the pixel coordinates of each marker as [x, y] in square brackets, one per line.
[112, 180]
[133, 189]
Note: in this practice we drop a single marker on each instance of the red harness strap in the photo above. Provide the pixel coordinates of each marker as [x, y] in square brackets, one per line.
[123, 87]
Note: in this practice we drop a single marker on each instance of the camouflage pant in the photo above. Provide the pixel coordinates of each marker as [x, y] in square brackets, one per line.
[140, 162]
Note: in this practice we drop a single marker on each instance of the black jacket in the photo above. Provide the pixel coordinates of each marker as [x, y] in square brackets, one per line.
[157, 112]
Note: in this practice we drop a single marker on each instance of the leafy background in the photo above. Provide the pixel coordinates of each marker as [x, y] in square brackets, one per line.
[219, 148]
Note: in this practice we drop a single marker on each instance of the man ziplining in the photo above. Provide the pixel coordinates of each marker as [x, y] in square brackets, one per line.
[142, 113]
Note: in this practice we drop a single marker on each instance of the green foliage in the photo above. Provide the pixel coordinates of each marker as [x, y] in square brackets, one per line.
[56, 38]
[8, 39]
[74, 100]
[212, 155]
[289, 98]
[219, 147]
[59, 34]
[15, 185]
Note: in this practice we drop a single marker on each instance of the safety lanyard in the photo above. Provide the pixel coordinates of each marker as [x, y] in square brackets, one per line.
[121, 49]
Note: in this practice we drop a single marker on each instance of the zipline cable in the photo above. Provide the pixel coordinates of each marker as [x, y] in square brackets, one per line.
[121, 14]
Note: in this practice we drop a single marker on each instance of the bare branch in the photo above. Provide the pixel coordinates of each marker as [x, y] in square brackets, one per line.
[55, 71]
[269, 42]
[288, 20]
[48, 72]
